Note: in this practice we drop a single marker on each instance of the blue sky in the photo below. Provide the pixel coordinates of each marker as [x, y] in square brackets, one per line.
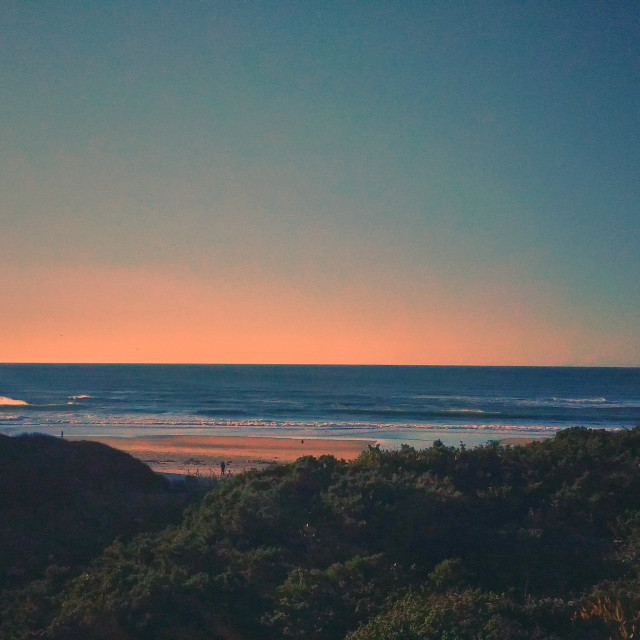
[446, 183]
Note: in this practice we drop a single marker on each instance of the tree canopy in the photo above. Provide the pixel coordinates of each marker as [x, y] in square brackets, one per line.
[539, 541]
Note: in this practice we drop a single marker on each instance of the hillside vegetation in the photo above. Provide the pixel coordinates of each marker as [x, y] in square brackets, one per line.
[496, 542]
[63, 502]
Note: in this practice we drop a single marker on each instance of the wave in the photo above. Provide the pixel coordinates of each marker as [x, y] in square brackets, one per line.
[415, 413]
[42, 408]
[570, 413]
[581, 400]
[82, 396]
[375, 413]
[516, 401]
[221, 412]
[10, 402]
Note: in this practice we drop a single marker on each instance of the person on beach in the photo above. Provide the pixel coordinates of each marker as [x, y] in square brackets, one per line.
[223, 466]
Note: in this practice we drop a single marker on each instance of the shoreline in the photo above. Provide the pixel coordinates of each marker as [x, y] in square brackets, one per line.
[202, 455]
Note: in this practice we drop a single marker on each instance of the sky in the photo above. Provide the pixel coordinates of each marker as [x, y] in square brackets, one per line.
[320, 182]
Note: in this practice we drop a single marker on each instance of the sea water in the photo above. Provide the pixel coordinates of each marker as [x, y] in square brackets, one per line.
[389, 404]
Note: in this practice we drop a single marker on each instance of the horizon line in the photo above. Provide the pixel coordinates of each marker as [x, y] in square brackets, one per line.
[329, 364]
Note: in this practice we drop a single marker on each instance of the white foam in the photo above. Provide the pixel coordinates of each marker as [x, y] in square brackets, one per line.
[11, 402]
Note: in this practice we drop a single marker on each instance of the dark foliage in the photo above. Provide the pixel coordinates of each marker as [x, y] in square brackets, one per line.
[61, 504]
[510, 542]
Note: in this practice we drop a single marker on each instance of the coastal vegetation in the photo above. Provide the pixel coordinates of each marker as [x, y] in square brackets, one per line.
[496, 542]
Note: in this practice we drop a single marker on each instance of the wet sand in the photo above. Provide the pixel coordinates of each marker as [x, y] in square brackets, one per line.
[202, 455]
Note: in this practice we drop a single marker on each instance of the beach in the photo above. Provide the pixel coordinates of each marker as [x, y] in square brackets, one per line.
[203, 455]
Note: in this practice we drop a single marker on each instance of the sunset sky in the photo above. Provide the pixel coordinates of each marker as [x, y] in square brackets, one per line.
[426, 182]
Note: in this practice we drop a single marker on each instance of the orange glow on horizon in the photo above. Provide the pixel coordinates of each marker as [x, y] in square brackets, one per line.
[138, 315]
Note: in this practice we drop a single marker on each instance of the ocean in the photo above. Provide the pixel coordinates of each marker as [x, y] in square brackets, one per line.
[390, 404]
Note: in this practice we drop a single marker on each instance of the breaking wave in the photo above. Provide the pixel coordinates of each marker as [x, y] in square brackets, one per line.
[10, 402]
[581, 400]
